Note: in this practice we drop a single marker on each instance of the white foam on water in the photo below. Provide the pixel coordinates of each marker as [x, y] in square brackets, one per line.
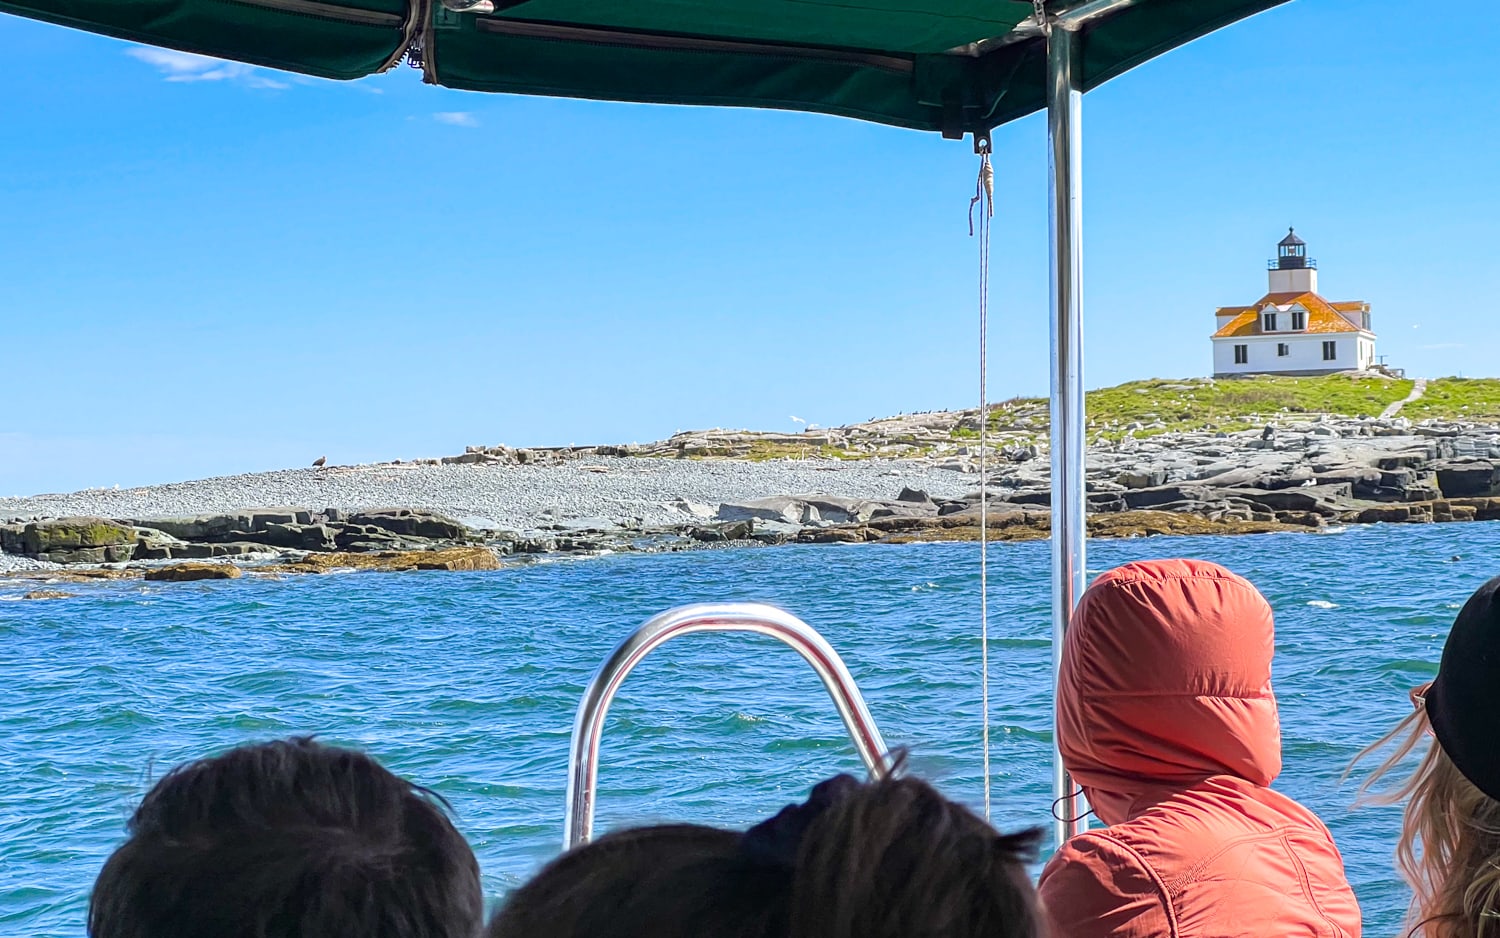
[1322, 604]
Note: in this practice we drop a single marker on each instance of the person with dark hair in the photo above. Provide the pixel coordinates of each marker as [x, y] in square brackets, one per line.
[885, 859]
[288, 839]
[1167, 719]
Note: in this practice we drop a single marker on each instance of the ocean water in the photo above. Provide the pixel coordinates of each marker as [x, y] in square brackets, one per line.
[468, 683]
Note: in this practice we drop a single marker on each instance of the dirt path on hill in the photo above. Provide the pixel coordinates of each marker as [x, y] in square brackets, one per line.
[1417, 390]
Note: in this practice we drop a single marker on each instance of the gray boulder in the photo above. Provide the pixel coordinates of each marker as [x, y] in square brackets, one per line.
[235, 549]
[202, 527]
[1140, 499]
[278, 534]
[319, 537]
[1041, 497]
[899, 509]
[63, 535]
[1321, 499]
[773, 532]
[1408, 460]
[364, 537]
[691, 508]
[10, 538]
[1143, 478]
[729, 531]
[1469, 479]
[841, 510]
[411, 523]
[152, 544]
[775, 508]
[260, 518]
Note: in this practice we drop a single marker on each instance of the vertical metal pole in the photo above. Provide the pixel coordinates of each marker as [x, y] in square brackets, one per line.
[1064, 138]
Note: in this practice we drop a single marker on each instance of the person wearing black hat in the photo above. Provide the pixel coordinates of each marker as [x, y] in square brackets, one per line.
[1449, 851]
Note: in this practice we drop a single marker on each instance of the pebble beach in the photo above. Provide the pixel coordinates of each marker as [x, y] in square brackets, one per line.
[643, 491]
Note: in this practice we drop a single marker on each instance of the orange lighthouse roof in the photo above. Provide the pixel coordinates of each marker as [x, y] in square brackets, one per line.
[1322, 316]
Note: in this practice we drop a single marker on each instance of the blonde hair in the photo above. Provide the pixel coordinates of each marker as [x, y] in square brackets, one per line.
[1449, 850]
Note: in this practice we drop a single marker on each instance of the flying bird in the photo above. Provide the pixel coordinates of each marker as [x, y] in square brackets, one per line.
[320, 461]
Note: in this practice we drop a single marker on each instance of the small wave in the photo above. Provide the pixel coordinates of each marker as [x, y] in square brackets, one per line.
[1405, 665]
[1011, 729]
[924, 587]
[1322, 604]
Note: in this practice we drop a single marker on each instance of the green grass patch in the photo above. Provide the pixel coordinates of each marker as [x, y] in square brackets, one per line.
[765, 450]
[1457, 399]
[1225, 404]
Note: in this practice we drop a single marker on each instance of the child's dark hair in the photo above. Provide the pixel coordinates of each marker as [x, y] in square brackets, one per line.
[886, 859]
[288, 839]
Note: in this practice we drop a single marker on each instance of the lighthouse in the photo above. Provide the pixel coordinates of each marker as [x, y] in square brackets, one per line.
[1293, 330]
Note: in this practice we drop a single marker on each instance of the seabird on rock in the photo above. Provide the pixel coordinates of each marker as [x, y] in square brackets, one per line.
[320, 461]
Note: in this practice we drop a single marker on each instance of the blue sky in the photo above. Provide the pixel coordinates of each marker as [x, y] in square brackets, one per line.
[207, 268]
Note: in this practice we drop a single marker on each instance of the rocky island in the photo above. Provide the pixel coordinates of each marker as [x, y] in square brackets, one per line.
[1185, 457]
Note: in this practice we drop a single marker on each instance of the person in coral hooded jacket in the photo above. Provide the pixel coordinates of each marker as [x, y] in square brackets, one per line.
[1166, 718]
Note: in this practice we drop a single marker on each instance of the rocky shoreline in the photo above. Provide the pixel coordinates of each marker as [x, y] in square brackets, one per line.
[902, 479]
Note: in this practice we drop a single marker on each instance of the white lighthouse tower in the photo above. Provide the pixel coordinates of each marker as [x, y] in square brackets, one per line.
[1292, 271]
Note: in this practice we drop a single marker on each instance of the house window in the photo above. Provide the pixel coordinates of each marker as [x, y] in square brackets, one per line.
[1283, 350]
[1330, 351]
[1241, 354]
[1299, 320]
[1268, 322]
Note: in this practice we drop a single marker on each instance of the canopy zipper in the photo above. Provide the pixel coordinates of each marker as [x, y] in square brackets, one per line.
[658, 42]
[412, 36]
[328, 11]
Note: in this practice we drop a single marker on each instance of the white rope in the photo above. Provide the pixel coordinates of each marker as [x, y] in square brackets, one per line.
[984, 197]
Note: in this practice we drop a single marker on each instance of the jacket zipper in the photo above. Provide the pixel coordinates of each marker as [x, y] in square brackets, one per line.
[658, 42]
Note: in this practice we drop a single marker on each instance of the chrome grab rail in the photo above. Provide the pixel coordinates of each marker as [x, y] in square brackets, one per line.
[588, 725]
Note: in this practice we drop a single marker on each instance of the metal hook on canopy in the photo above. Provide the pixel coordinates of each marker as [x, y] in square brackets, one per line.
[1039, 13]
[583, 761]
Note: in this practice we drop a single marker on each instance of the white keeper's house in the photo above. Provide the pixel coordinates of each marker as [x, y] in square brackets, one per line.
[1292, 330]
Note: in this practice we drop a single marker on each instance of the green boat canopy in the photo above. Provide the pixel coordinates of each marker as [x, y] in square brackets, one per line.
[955, 66]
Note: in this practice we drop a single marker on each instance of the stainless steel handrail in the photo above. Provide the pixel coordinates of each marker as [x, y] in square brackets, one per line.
[1069, 446]
[583, 761]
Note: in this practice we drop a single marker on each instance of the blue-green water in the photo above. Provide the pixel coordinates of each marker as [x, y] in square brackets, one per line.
[468, 682]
